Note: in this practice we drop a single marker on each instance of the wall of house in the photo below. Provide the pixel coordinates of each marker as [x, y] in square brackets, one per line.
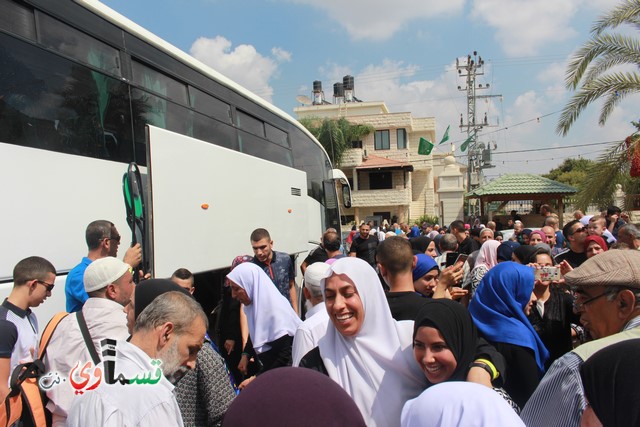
[419, 197]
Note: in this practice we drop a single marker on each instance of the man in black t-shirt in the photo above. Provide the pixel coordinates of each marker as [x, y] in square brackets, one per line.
[396, 263]
[364, 246]
[574, 233]
[466, 244]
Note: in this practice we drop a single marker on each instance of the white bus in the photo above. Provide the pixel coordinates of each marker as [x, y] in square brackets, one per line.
[84, 92]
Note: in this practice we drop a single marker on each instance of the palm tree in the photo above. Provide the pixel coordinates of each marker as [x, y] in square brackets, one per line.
[594, 73]
[336, 135]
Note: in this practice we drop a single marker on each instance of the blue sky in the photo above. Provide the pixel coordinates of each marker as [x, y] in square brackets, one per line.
[403, 52]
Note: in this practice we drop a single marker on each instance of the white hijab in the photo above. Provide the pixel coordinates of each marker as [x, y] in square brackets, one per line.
[376, 366]
[270, 316]
[458, 403]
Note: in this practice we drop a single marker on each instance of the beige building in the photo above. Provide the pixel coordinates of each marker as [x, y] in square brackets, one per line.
[389, 179]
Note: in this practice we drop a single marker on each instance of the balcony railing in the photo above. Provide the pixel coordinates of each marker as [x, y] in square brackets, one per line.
[369, 198]
[352, 158]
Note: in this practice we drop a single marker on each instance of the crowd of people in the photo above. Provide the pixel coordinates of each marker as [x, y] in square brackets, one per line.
[401, 326]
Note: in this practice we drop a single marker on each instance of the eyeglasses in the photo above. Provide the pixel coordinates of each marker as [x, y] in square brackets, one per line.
[49, 286]
[117, 238]
[578, 306]
[580, 230]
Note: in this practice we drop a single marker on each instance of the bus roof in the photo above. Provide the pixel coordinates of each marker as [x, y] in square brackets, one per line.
[146, 35]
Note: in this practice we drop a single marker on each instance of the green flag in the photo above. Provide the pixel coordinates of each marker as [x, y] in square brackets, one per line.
[445, 137]
[465, 144]
[425, 147]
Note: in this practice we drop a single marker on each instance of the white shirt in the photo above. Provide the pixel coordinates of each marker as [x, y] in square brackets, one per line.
[105, 319]
[309, 333]
[315, 310]
[152, 405]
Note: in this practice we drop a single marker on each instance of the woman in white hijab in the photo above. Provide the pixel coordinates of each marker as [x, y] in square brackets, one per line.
[459, 404]
[270, 318]
[486, 260]
[365, 350]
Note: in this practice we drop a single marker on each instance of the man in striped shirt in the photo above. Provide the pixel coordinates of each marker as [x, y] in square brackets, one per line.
[607, 288]
[33, 281]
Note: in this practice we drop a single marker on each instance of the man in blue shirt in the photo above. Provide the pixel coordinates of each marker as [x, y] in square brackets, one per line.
[277, 265]
[102, 240]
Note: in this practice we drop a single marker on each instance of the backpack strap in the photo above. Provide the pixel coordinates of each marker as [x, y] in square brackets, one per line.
[87, 338]
[48, 331]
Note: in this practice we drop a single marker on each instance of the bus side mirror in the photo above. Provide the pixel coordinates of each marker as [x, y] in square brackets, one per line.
[346, 195]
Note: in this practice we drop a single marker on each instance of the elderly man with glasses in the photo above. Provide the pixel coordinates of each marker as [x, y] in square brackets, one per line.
[103, 240]
[607, 289]
[574, 232]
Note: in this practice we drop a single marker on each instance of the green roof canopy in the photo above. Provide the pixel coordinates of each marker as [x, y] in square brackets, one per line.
[522, 186]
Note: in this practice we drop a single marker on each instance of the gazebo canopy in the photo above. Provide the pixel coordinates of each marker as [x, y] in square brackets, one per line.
[522, 187]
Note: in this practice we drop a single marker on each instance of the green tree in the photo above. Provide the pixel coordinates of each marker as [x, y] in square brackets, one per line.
[571, 172]
[594, 74]
[336, 135]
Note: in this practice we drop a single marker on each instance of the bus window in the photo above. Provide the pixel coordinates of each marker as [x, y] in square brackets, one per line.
[209, 105]
[249, 123]
[55, 104]
[159, 83]
[210, 130]
[276, 135]
[156, 111]
[78, 45]
[259, 147]
[310, 158]
[17, 19]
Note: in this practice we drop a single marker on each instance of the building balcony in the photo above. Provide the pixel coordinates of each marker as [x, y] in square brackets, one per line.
[352, 158]
[371, 198]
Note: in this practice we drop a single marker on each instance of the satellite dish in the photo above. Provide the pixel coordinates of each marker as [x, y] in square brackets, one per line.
[303, 99]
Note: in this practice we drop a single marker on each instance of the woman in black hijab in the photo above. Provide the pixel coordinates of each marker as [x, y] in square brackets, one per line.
[610, 379]
[454, 324]
[444, 329]
[423, 245]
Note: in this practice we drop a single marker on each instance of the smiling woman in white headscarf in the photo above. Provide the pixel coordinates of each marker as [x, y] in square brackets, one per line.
[271, 320]
[365, 350]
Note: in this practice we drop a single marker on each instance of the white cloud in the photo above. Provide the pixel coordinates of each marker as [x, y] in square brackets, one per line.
[553, 76]
[377, 20]
[281, 55]
[243, 64]
[525, 27]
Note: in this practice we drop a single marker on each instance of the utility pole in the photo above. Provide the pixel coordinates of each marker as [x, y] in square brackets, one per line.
[478, 156]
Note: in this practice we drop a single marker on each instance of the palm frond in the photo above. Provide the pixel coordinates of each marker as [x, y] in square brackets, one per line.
[624, 48]
[602, 177]
[610, 102]
[626, 13]
[616, 83]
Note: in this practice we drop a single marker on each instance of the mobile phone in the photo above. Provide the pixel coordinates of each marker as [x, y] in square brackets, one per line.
[451, 258]
[546, 274]
[462, 258]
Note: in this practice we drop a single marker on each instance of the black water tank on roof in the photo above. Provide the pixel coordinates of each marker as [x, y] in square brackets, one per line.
[338, 90]
[317, 86]
[348, 82]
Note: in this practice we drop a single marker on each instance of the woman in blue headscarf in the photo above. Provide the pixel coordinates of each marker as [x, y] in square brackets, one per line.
[499, 310]
[431, 283]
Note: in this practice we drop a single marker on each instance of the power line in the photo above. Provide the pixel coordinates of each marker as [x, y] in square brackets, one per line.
[547, 149]
[548, 159]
